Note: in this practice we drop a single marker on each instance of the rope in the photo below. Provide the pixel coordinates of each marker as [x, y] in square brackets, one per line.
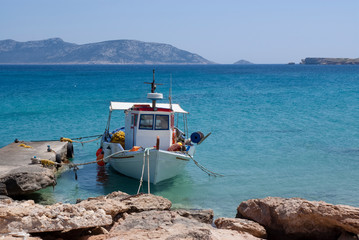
[101, 159]
[24, 145]
[145, 153]
[148, 170]
[82, 142]
[143, 170]
[79, 138]
[209, 172]
[62, 139]
[75, 166]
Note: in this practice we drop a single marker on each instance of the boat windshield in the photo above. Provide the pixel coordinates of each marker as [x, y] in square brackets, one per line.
[146, 121]
[162, 122]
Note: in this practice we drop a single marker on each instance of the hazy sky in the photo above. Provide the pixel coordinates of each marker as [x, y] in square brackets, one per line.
[260, 31]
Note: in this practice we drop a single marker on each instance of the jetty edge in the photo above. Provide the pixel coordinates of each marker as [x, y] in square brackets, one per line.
[26, 166]
[146, 216]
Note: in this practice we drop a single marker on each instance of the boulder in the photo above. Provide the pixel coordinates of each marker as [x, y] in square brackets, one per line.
[241, 225]
[296, 218]
[204, 216]
[348, 236]
[27, 179]
[117, 203]
[166, 225]
[26, 216]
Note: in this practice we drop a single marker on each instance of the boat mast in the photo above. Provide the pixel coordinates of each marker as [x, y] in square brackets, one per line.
[170, 93]
[153, 88]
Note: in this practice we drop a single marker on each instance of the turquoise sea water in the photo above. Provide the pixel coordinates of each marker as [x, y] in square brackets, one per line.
[277, 130]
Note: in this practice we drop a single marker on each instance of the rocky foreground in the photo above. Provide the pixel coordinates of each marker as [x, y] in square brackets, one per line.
[143, 216]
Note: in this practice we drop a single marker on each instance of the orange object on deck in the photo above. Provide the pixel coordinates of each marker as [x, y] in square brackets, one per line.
[175, 147]
[135, 148]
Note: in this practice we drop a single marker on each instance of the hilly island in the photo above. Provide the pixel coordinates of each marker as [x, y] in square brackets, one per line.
[57, 51]
[330, 61]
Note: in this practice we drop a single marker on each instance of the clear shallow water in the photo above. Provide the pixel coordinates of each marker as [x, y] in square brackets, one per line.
[277, 130]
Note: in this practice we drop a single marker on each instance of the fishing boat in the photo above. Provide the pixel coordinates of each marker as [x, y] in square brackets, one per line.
[150, 146]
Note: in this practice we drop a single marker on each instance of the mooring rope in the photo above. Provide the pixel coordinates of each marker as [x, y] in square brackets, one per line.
[75, 166]
[79, 138]
[82, 142]
[146, 153]
[71, 139]
[63, 139]
[209, 172]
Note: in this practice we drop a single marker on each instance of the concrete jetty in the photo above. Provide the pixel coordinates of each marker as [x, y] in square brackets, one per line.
[18, 172]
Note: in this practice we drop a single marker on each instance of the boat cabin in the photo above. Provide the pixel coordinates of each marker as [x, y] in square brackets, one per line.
[144, 122]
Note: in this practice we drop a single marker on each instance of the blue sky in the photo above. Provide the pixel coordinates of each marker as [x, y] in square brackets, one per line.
[260, 31]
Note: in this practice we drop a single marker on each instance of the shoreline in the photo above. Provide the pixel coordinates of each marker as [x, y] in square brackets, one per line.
[147, 216]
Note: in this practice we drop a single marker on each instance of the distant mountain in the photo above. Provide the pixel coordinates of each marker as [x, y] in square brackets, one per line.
[56, 51]
[330, 61]
[243, 62]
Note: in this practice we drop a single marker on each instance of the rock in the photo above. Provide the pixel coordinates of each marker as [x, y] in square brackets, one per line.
[241, 225]
[348, 236]
[18, 172]
[26, 216]
[99, 230]
[3, 190]
[118, 203]
[26, 180]
[18, 216]
[204, 216]
[298, 218]
[18, 236]
[166, 225]
[4, 197]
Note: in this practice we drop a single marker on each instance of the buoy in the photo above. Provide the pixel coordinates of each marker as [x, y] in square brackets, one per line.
[196, 137]
[101, 162]
[98, 151]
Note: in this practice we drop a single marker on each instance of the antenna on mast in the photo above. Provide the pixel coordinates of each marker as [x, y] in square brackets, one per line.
[154, 96]
[153, 84]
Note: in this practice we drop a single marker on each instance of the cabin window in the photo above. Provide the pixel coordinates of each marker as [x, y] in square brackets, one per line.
[146, 121]
[162, 122]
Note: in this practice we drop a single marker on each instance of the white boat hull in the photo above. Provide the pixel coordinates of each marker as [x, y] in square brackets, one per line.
[163, 164]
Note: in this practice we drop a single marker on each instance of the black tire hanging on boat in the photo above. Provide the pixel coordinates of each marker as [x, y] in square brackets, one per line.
[70, 150]
[58, 158]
